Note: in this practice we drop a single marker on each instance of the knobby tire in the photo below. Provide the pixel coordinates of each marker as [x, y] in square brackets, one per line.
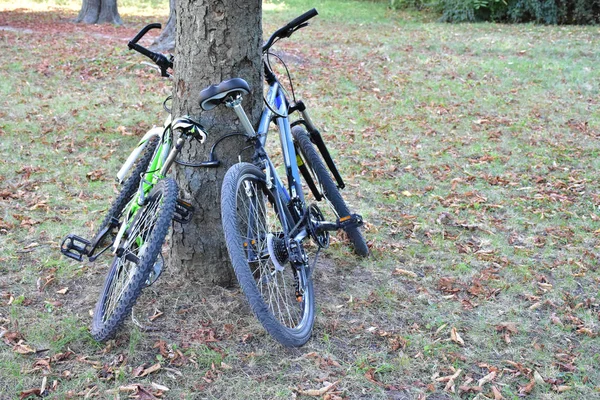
[144, 239]
[269, 294]
[329, 188]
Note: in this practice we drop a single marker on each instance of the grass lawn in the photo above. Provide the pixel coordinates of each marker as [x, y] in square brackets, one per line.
[471, 150]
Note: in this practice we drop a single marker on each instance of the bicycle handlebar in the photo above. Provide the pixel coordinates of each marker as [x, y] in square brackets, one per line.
[144, 31]
[291, 27]
[160, 59]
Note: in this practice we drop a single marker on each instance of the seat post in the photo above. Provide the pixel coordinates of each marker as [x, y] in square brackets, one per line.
[236, 104]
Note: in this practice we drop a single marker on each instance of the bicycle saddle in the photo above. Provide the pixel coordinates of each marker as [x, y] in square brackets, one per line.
[214, 95]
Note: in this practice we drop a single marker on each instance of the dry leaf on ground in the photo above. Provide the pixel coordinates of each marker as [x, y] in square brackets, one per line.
[317, 392]
[404, 272]
[497, 394]
[455, 336]
[486, 379]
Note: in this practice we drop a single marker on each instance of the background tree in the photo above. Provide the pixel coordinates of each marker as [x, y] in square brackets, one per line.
[99, 12]
[166, 40]
[215, 41]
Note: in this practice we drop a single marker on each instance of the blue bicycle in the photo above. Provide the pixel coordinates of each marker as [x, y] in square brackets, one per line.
[266, 222]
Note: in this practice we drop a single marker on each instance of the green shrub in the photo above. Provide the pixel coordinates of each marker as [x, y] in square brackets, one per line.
[540, 11]
[407, 4]
[555, 11]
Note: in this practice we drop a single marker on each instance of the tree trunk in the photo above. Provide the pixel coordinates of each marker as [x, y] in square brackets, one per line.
[165, 42]
[216, 40]
[99, 12]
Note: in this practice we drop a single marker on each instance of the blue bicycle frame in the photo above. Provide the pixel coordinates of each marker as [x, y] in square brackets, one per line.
[277, 101]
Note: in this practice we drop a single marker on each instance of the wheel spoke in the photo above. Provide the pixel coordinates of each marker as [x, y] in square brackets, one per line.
[256, 220]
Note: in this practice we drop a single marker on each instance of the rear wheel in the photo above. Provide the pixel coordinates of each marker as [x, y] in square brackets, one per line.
[326, 187]
[130, 269]
[279, 292]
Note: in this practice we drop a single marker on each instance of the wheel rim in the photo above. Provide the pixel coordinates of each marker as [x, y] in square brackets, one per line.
[126, 266]
[257, 224]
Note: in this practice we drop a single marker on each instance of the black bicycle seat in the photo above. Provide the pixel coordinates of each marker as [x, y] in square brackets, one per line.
[214, 95]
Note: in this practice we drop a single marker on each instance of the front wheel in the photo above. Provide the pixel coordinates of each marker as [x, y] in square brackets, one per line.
[327, 188]
[280, 293]
[131, 267]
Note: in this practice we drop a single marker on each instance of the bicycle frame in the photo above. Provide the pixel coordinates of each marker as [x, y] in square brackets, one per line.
[156, 170]
[276, 100]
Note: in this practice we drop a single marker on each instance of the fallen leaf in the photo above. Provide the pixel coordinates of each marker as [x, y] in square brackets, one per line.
[508, 328]
[586, 331]
[318, 392]
[43, 363]
[11, 338]
[61, 356]
[150, 370]
[225, 365]
[456, 337]
[161, 345]
[404, 272]
[123, 131]
[144, 394]
[563, 388]
[538, 378]
[137, 371]
[63, 291]
[470, 389]
[160, 387]
[157, 313]
[31, 392]
[555, 320]
[449, 381]
[527, 388]
[497, 394]
[127, 388]
[96, 175]
[43, 387]
[486, 379]
[23, 348]
[370, 375]
[137, 391]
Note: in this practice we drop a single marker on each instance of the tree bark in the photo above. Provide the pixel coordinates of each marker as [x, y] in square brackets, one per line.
[165, 42]
[216, 40]
[99, 12]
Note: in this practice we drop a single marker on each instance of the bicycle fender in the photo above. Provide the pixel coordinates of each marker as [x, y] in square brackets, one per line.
[136, 152]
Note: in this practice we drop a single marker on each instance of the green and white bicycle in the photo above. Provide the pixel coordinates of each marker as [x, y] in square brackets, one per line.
[139, 219]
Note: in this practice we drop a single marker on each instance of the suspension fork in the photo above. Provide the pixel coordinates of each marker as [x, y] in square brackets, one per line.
[145, 186]
[317, 139]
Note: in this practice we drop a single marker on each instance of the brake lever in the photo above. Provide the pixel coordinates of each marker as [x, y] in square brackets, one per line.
[151, 65]
[291, 31]
[163, 71]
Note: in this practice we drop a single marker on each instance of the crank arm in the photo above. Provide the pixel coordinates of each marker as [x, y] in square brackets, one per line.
[347, 222]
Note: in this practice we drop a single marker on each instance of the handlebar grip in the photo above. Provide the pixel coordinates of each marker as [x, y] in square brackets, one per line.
[144, 30]
[301, 19]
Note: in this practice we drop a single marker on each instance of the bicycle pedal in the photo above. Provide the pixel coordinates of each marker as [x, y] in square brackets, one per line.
[350, 221]
[75, 247]
[183, 212]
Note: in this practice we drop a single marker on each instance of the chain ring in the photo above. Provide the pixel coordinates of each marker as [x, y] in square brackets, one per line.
[321, 238]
